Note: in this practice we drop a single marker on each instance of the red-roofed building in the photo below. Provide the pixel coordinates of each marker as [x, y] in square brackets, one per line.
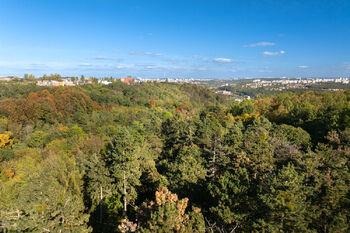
[128, 80]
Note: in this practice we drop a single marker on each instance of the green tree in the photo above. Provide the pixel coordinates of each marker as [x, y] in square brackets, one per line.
[211, 137]
[122, 156]
[286, 200]
[37, 139]
[234, 201]
[48, 198]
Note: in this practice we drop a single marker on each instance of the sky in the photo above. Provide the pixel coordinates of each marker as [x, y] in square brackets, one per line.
[182, 38]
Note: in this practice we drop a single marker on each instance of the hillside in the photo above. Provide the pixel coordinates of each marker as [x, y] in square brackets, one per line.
[165, 157]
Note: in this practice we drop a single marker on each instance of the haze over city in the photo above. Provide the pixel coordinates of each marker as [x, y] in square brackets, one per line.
[187, 39]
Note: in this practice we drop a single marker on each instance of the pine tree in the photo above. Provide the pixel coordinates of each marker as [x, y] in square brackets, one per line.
[122, 156]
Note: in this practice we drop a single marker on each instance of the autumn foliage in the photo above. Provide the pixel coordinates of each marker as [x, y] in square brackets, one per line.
[5, 141]
[52, 105]
[168, 214]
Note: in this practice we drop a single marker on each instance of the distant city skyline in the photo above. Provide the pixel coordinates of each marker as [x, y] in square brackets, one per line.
[188, 39]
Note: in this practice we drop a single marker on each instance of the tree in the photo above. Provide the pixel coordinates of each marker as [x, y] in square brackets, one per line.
[37, 139]
[168, 214]
[188, 169]
[122, 156]
[5, 141]
[234, 201]
[211, 136]
[178, 133]
[31, 77]
[44, 197]
[286, 202]
[103, 204]
[330, 199]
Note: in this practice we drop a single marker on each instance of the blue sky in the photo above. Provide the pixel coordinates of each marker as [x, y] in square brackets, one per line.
[168, 38]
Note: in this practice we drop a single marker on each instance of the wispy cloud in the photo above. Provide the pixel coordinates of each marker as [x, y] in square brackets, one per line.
[150, 67]
[38, 64]
[259, 44]
[223, 60]
[303, 67]
[163, 67]
[102, 58]
[124, 66]
[268, 53]
[148, 54]
[347, 65]
[200, 68]
[86, 64]
[107, 66]
[265, 71]
[198, 57]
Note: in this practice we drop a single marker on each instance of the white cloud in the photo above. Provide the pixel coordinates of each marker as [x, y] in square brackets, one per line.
[149, 54]
[303, 67]
[223, 60]
[267, 53]
[259, 44]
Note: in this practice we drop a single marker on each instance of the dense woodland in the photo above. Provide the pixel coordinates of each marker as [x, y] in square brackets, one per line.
[163, 157]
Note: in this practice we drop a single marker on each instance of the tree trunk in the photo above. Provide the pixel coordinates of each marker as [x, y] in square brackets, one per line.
[101, 197]
[214, 159]
[124, 192]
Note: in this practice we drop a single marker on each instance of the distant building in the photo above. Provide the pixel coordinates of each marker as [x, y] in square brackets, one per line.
[6, 79]
[44, 83]
[68, 83]
[221, 92]
[55, 83]
[105, 82]
[127, 80]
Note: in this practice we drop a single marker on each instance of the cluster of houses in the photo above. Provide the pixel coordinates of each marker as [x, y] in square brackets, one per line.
[7, 79]
[294, 82]
[69, 83]
[61, 83]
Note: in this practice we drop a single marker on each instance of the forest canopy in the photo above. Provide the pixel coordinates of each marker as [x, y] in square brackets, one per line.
[165, 157]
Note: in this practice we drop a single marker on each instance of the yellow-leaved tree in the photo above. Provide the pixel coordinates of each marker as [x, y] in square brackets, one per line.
[5, 141]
